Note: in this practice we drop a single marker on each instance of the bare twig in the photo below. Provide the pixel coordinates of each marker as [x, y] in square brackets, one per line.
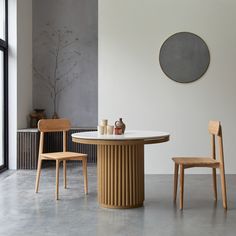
[43, 78]
[67, 85]
[68, 44]
[68, 71]
[59, 81]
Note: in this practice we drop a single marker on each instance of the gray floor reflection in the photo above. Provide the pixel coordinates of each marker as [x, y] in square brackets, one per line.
[22, 212]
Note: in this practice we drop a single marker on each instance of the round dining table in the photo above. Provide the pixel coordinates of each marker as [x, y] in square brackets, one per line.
[120, 165]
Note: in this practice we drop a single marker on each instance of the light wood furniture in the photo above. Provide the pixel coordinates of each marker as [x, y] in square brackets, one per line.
[120, 166]
[182, 163]
[58, 125]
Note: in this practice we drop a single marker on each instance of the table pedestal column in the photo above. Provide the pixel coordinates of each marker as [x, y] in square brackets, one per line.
[121, 175]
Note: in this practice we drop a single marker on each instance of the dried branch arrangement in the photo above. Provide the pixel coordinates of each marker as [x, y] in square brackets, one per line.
[58, 47]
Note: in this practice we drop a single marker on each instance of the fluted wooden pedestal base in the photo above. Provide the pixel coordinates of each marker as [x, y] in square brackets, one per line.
[121, 175]
[120, 162]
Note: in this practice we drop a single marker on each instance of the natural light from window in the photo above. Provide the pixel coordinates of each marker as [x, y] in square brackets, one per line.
[1, 109]
[3, 81]
[2, 19]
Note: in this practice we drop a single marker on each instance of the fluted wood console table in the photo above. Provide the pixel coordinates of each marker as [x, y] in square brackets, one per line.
[120, 163]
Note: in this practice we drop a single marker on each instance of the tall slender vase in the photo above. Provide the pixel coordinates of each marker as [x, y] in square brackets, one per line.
[55, 116]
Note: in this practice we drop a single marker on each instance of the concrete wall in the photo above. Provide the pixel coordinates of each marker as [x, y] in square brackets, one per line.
[56, 23]
[24, 62]
[133, 86]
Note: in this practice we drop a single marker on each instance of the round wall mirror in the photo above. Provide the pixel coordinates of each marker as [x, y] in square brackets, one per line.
[184, 57]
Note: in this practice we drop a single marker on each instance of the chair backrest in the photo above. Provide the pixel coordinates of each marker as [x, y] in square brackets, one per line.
[215, 129]
[53, 125]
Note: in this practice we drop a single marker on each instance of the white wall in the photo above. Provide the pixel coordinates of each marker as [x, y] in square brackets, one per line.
[133, 86]
[12, 84]
[20, 73]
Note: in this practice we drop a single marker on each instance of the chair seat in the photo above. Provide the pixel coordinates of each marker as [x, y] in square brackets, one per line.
[195, 161]
[63, 155]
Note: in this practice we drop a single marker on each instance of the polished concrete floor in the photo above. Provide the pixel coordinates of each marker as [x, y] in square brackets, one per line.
[22, 212]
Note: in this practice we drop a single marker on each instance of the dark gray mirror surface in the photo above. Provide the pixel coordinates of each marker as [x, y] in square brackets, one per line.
[184, 57]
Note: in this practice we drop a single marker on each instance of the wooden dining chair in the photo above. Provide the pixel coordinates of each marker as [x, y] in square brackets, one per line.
[214, 129]
[58, 125]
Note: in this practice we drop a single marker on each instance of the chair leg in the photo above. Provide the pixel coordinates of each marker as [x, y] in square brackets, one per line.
[214, 183]
[175, 182]
[64, 173]
[223, 186]
[38, 174]
[57, 179]
[181, 200]
[84, 162]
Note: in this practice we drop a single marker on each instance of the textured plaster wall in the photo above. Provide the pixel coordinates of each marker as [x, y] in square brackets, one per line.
[74, 24]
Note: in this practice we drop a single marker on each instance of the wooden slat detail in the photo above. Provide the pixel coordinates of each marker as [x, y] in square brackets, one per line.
[121, 175]
[119, 192]
[123, 170]
[112, 176]
[99, 172]
[127, 176]
[27, 150]
[130, 174]
[109, 174]
[28, 145]
[105, 174]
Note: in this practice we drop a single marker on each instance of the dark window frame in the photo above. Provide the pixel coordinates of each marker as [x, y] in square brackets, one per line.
[4, 49]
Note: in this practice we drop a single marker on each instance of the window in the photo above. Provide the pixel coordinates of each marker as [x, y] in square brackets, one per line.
[2, 19]
[3, 85]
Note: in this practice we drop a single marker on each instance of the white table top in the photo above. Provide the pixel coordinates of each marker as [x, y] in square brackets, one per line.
[130, 134]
